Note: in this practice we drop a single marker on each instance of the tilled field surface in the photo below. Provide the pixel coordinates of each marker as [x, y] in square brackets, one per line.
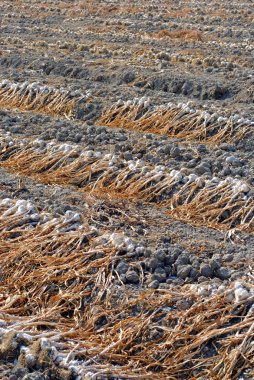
[126, 190]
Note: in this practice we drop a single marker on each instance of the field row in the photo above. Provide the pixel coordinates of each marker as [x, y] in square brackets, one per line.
[60, 301]
[126, 190]
[177, 120]
[32, 96]
[222, 204]
[180, 121]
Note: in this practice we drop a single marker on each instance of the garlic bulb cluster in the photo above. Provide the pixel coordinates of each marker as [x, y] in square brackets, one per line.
[240, 292]
[202, 116]
[14, 208]
[237, 294]
[26, 212]
[120, 241]
[22, 87]
[213, 117]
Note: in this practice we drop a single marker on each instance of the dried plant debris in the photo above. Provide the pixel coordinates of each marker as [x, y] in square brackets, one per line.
[153, 335]
[65, 284]
[217, 203]
[46, 99]
[126, 190]
[179, 121]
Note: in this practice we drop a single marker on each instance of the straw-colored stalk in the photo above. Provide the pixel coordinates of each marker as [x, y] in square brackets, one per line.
[219, 204]
[33, 97]
[54, 287]
[175, 121]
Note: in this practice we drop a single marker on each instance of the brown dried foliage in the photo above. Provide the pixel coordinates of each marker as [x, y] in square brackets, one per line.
[55, 286]
[215, 205]
[173, 122]
[28, 99]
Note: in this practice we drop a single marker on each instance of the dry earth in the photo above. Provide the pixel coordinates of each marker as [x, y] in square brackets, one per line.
[126, 190]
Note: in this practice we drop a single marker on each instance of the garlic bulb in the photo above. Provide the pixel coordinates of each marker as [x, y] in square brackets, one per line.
[241, 293]
[6, 202]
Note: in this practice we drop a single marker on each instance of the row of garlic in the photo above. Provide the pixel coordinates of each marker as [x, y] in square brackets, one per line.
[136, 165]
[245, 44]
[186, 108]
[61, 359]
[22, 87]
[26, 212]
[240, 292]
